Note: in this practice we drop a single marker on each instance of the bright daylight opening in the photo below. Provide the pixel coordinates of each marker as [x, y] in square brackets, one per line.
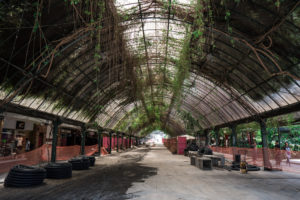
[155, 138]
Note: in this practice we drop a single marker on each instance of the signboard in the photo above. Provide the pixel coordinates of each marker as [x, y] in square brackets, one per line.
[62, 130]
[20, 125]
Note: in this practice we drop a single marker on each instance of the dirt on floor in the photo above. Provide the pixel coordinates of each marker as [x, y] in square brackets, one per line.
[108, 180]
[156, 174]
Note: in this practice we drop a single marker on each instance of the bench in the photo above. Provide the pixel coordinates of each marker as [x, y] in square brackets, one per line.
[203, 163]
[216, 159]
[193, 160]
[192, 153]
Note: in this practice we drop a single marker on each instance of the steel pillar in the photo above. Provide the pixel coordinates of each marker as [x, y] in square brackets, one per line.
[206, 137]
[217, 136]
[99, 141]
[110, 138]
[117, 142]
[1, 124]
[234, 135]
[54, 139]
[114, 141]
[234, 141]
[264, 135]
[198, 140]
[122, 145]
[83, 135]
[129, 141]
[279, 136]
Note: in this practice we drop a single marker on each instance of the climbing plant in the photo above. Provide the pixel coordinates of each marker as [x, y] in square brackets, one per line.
[153, 75]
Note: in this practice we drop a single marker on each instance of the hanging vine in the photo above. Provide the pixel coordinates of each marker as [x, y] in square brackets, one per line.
[105, 67]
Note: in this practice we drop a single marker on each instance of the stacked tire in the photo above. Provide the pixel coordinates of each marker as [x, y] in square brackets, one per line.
[205, 151]
[80, 163]
[192, 147]
[186, 152]
[236, 166]
[92, 160]
[59, 170]
[24, 176]
[252, 168]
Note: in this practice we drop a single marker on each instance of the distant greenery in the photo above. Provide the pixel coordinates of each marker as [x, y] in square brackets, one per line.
[290, 133]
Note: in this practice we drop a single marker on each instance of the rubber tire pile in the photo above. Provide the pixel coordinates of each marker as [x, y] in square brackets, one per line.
[80, 163]
[192, 147]
[92, 160]
[236, 165]
[205, 151]
[59, 170]
[24, 176]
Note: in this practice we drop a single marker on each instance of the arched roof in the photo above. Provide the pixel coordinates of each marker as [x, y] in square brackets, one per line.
[249, 65]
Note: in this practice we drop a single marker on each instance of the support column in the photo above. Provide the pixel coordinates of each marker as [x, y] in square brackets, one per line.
[99, 141]
[251, 142]
[279, 136]
[129, 141]
[54, 139]
[114, 141]
[109, 147]
[122, 141]
[198, 140]
[234, 135]
[117, 142]
[234, 141]
[1, 124]
[217, 136]
[206, 137]
[264, 135]
[83, 135]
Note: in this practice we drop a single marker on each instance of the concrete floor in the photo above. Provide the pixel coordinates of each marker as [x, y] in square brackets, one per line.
[176, 179]
[156, 174]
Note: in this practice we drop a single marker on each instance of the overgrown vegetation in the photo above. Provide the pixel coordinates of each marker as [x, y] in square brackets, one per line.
[282, 129]
[76, 54]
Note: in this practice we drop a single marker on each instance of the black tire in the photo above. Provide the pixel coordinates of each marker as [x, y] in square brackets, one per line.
[252, 168]
[24, 184]
[21, 177]
[234, 164]
[27, 169]
[80, 163]
[92, 160]
[59, 170]
[237, 158]
[86, 163]
[235, 168]
[24, 176]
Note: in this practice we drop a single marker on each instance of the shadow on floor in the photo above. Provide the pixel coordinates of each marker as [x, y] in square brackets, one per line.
[109, 183]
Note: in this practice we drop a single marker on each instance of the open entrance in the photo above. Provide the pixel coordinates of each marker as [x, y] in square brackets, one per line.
[155, 138]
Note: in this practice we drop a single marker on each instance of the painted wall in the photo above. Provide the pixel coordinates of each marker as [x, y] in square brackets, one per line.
[10, 123]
